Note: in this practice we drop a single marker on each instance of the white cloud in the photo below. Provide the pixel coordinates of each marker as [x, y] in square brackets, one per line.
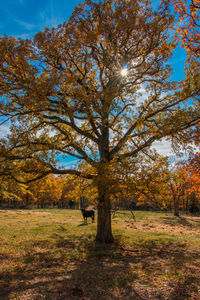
[163, 147]
[25, 25]
[142, 95]
[4, 131]
[50, 16]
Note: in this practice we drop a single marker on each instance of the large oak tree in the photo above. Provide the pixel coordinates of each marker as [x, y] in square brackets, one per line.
[96, 89]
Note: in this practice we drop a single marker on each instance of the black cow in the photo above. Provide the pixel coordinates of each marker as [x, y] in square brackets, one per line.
[87, 214]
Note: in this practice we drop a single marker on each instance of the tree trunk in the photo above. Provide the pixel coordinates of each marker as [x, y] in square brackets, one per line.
[175, 194]
[104, 229]
[27, 199]
[176, 206]
[187, 206]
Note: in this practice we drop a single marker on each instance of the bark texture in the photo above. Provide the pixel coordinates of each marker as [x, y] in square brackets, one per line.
[104, 230]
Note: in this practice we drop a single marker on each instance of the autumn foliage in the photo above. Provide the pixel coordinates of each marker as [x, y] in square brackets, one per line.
[188, 28]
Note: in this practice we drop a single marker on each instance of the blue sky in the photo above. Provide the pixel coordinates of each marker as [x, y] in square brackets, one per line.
[24, 18]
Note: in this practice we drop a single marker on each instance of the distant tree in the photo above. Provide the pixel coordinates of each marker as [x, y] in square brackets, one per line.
[192, 177]
[79, 190]
[12, 194]
[96, 89]
[177, 186]
[152, 182]
[72, 203]
[47, 191]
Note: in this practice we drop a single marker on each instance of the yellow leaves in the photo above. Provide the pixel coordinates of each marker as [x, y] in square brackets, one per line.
[188, 27]
[77, 188]
[47, 189]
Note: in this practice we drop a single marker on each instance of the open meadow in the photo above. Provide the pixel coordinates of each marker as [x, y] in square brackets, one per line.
[51, 254]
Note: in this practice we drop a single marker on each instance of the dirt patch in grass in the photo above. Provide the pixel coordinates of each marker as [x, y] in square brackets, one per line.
[160, 224]
[159, 227]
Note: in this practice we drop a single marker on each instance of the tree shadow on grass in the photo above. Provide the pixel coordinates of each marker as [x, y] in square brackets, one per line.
[83, 269]
[176, 221]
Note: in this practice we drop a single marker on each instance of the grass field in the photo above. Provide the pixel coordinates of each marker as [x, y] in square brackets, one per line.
[51, 254]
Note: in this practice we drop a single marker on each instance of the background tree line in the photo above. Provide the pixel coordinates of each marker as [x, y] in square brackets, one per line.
[154, 186]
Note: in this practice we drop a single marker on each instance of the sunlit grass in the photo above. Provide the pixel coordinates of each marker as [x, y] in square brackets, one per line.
[54, 249]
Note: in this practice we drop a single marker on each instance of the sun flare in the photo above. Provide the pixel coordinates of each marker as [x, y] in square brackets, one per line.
[124, 71]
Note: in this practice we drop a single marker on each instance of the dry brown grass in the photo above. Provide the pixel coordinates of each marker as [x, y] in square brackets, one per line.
[24, 212]
[50, 254]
